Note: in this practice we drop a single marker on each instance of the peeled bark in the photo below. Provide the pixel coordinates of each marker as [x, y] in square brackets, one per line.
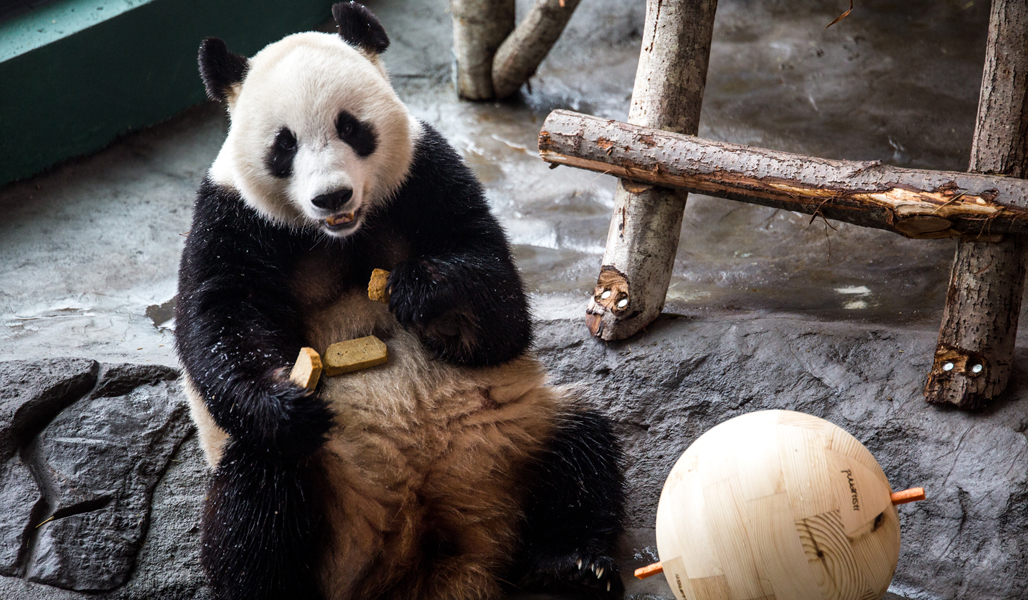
[644, 229]
[479, 27]
[979, 324]
[912, 202]
[520, 54]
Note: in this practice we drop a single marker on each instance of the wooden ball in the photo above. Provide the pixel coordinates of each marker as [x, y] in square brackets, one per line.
[777, 505]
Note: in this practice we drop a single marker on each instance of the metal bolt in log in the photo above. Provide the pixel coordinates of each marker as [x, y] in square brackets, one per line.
[520, 54]
[646, 224]
[479, 27]
[915, 203]
[979, 324]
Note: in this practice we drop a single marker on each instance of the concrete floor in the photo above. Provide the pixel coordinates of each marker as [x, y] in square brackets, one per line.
[89, 251]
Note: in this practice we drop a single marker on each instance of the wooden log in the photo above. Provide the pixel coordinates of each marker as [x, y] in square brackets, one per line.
[979, 324]
[520, 54]
[646, 224]
[479, 27]
[911, 202]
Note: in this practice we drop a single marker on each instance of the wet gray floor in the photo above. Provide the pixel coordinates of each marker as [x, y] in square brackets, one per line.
[89, 251]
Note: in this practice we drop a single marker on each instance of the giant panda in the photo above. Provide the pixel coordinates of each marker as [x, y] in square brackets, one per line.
[452, 471]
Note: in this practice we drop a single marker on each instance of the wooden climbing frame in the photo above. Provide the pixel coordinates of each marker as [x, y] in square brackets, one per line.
[494, 58]
[659, 161]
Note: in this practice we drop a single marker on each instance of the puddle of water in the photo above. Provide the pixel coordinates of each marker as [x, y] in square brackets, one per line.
[895, 81]
[162, 315]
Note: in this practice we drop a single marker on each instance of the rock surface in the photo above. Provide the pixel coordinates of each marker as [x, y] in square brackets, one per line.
[35, 392]
[678, 379]
[89, 443]
[688, 373]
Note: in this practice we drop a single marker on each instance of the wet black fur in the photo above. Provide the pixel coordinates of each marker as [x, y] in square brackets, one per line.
[573, 512]
[219, 68]
[263, 527]
[454, 283]
[358, 26]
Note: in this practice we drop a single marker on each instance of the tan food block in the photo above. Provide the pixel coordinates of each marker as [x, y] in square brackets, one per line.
[354, 355]
[307, 370]
[378, 287]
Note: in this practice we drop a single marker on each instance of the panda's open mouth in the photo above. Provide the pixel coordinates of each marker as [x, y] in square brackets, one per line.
[342, 221]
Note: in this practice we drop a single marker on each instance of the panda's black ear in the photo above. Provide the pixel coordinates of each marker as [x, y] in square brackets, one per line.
[220, 69]
[358, 26]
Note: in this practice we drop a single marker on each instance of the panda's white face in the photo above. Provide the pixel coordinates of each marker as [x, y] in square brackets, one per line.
[318, 136]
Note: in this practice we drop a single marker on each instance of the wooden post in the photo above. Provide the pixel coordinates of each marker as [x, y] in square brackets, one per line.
[644, 230]
[915, 203]
[479, 27]
[520, 54]
[979, 324]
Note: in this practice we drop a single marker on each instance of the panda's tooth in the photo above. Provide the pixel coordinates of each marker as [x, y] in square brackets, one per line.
[339, 219]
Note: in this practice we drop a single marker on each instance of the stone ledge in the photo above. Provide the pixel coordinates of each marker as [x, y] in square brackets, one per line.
[664, 388]
[684, 375]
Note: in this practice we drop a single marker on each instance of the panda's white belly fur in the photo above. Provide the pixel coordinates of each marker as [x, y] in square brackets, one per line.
[420, 447]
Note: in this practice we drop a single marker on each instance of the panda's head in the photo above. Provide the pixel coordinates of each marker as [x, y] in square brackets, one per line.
[318, 137]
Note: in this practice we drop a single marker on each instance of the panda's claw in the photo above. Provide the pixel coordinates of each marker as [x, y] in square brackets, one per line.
[581, 575]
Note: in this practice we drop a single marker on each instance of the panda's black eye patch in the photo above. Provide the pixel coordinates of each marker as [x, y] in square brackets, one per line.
[360, 136]
[283, 150]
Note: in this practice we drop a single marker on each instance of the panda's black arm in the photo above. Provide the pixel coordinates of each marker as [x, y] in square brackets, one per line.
[237, 330]
[459, 288]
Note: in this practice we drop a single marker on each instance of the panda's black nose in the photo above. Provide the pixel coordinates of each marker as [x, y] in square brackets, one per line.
[333, 200]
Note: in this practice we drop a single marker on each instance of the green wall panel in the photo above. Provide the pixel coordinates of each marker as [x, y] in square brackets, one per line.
[77, 74]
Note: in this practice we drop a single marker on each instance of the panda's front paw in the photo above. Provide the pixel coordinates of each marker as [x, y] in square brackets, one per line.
[284, 421]
[581, 574]
[435, 307]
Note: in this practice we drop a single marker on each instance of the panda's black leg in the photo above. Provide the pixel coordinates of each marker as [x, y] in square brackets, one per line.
[574, 512]
[263, 528]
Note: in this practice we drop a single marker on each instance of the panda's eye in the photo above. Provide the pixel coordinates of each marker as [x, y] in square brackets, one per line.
[280, 159]
[359, 135]
[285, 140]
[346, 126]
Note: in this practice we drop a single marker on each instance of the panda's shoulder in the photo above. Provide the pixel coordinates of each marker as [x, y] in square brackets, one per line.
[432, 153]
[222, 217]
[218, 204]
[438, 175]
